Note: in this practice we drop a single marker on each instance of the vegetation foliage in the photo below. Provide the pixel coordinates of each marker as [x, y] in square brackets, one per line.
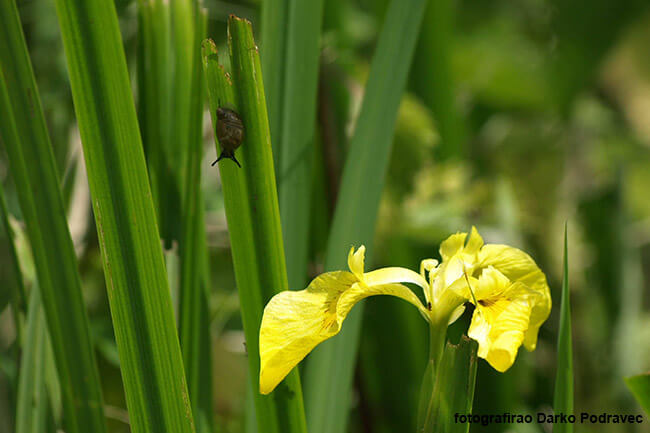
[134, 276]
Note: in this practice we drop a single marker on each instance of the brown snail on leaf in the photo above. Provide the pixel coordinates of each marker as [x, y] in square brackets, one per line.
[230, 133]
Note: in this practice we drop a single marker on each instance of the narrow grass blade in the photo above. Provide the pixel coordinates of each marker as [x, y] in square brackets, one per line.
[32, 407]
[155, 91]
[329, 373]
[563, 399]
[293, 125]
[138, 290]
[640, 387]
[253, 215]
[25, 137]
[183, 48]
[194, 320]
[453, 391]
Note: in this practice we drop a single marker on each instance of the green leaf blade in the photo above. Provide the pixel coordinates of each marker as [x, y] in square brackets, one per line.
[24, 134]
[194, 320]
[253, 216]
[138, 290]
[563, 398]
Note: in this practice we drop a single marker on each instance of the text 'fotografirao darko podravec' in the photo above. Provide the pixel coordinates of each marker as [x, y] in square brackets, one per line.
[548, 418]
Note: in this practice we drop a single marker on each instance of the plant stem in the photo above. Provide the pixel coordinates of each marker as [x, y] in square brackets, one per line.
[437, 338]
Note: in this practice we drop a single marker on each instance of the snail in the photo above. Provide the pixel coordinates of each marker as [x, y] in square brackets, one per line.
[230, 133]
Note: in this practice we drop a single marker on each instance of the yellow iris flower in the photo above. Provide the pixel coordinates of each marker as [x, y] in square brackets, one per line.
[509, 291]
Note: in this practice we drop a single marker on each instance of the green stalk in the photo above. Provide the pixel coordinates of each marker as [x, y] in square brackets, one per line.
[293, 124]
[253, 216]
[437, 340]
[194, 320]
[25, 137]
[138, 290]
[563, 399]
[329, 374]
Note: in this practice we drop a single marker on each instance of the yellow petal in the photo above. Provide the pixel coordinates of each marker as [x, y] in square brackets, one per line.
[294, 322]
[490, 284]
[474, 243]
[455, 315]
[499, 324]
[518, 266]
[394, 275]
[453, 270]
[427, 265]
[448, 303]
[452, 245]
[356, 261]
[360, 291]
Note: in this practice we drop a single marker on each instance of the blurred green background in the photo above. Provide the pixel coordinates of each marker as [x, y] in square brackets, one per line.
[519, 116]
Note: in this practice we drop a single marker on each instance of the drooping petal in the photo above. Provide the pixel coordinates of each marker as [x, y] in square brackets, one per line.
[294, 322]
[501, 318]
[499, 342]
[518, 266]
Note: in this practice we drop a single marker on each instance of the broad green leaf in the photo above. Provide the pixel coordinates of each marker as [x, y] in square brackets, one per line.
[25, 137]
[329, 372]
[563, 399]
[253, 216]
[138, 290]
